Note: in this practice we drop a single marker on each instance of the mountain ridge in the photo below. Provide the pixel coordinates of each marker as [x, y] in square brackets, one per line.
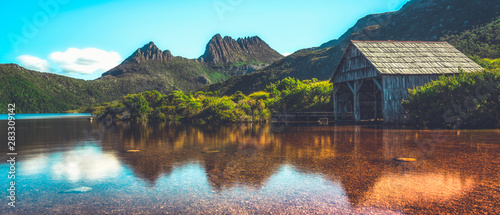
[235, 57]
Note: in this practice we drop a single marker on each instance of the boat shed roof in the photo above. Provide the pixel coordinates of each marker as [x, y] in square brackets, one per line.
[415, 57]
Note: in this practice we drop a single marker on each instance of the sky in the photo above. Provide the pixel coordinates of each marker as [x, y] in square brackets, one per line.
[84, 38]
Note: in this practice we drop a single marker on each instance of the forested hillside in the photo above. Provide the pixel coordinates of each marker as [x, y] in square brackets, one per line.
[481, 41]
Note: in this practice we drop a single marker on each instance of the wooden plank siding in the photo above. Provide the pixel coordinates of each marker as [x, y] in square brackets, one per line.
[396, 89]
[354, 66]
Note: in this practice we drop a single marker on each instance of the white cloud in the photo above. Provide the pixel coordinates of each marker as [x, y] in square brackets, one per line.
[34, 63]
[85, 61]
[286, 54]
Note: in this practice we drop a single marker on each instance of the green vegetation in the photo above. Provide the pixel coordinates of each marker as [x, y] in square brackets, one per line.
[293, 95]
[482, 42]
[304, 64]
[487, 63]
[28, 97]
[208, 107]
[249, 62]
[466, 100]
[36, 92]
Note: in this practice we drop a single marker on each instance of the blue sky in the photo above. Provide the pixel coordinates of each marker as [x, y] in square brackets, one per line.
[84, 38]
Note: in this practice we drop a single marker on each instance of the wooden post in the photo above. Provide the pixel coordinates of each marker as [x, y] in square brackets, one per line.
[353, 110]
[356, 102]
[360, 83]
[375, 103]
[335, 90]
[335, 114]
[384, 105]
[344, 110]
[356, 106]
[380, 88]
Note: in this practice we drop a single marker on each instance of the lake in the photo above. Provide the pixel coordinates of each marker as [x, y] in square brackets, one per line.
[44, 116]
[249, 169]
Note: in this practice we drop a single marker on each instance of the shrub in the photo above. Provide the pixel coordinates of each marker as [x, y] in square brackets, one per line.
[259, 95]
[200, 107]
[466, 100]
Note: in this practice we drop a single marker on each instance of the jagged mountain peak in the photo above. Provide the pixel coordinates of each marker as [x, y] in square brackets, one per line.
[226, 50]
[150, 45]
[243, 55]
[149, 52]
[254, 39]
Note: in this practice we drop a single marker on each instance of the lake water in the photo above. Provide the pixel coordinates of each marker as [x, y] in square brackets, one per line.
[256, 169]
[25, 116]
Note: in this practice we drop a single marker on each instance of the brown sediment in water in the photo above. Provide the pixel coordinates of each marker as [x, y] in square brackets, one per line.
[249, 169]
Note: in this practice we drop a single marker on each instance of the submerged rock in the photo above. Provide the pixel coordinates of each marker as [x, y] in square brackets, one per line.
[406, 159]
[133, 151]
[211, 152]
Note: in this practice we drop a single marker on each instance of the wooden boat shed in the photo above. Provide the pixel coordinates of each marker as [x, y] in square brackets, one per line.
[373, 77]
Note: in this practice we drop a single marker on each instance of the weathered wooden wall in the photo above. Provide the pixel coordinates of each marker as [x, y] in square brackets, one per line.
[396, 89]
[354, 66]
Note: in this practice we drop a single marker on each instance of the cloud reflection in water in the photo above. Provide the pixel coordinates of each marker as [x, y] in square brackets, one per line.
[84, 163]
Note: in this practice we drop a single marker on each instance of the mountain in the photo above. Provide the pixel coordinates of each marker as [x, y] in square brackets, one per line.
[247, 50]
[416, 20]
[223, 58]
[163, 72]
[426, 20]
[149, 52]
[36, 92]
[148, 68]
[238, 57]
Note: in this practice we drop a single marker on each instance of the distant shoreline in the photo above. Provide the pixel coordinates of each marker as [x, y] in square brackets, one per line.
[23, 116]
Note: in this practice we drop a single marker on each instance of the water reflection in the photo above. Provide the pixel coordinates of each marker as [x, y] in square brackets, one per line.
[238, 155]
[412, 189]
[303, 169]
[84, 163]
